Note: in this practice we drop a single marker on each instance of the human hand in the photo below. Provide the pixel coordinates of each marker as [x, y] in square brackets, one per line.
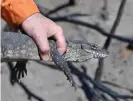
[40, 29]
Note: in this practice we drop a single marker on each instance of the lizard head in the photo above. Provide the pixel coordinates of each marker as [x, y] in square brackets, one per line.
[81, 51]
[95, 50]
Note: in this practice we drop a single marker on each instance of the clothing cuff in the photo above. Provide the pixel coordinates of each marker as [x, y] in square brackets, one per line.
[14, 12]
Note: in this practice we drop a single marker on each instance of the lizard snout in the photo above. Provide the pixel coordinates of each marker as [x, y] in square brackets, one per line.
[101, 53]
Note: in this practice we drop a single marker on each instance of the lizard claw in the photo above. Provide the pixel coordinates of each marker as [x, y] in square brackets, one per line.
[72, 82]
[74, 85]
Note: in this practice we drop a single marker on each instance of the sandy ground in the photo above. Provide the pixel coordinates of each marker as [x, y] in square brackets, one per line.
[51, 85]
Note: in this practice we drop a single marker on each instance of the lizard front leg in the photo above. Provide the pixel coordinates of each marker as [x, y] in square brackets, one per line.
[63, 65]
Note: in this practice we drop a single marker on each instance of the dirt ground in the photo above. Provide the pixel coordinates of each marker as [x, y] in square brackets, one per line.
[47, 84]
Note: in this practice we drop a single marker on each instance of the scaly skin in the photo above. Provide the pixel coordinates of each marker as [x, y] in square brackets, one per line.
[16, 46]
[20, 47]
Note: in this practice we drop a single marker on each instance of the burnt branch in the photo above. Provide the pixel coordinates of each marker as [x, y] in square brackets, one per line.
[116, 23]
[98, 85]
[99, 70]
[68, 18]
[94, 27]
[70, 3]
[29, 93]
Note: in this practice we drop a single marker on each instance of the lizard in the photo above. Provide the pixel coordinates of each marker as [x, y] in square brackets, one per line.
[20, 47]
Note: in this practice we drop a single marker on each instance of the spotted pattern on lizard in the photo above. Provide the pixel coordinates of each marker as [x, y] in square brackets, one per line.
[19, 47]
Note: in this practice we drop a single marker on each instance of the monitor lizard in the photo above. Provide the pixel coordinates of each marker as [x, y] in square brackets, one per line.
[18, 47]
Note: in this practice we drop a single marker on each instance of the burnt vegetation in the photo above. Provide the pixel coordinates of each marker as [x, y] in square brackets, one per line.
[93, 88]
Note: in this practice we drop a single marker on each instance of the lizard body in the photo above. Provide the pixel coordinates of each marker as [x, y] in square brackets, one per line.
[19, 47]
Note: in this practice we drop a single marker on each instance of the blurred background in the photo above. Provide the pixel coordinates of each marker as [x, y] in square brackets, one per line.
[93, 21]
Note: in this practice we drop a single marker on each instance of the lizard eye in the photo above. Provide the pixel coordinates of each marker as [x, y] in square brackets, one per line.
[94, 46]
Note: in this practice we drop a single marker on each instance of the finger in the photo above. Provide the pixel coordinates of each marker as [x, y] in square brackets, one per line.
[43, 45]
[60, 41]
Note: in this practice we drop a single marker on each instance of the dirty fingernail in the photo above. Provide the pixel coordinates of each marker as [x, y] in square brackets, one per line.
[45, 57]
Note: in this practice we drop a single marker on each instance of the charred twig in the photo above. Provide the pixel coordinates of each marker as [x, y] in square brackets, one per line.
[89, 91]
[82, 75]
[116, 23]
[104, 14]
[98, 85]
[108, 41]
[99, 70]
[70, 3]
[22, 85]
[29, 93]
[95, 27]
[116, 85]
[82, 23]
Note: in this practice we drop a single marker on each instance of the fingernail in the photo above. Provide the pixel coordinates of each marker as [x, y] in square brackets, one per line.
[45, 57]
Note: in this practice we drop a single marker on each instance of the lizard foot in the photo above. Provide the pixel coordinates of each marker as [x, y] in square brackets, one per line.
[70, 78]
[20, 70]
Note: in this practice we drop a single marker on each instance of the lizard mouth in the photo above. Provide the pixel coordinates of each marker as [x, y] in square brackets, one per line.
[100, 54]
